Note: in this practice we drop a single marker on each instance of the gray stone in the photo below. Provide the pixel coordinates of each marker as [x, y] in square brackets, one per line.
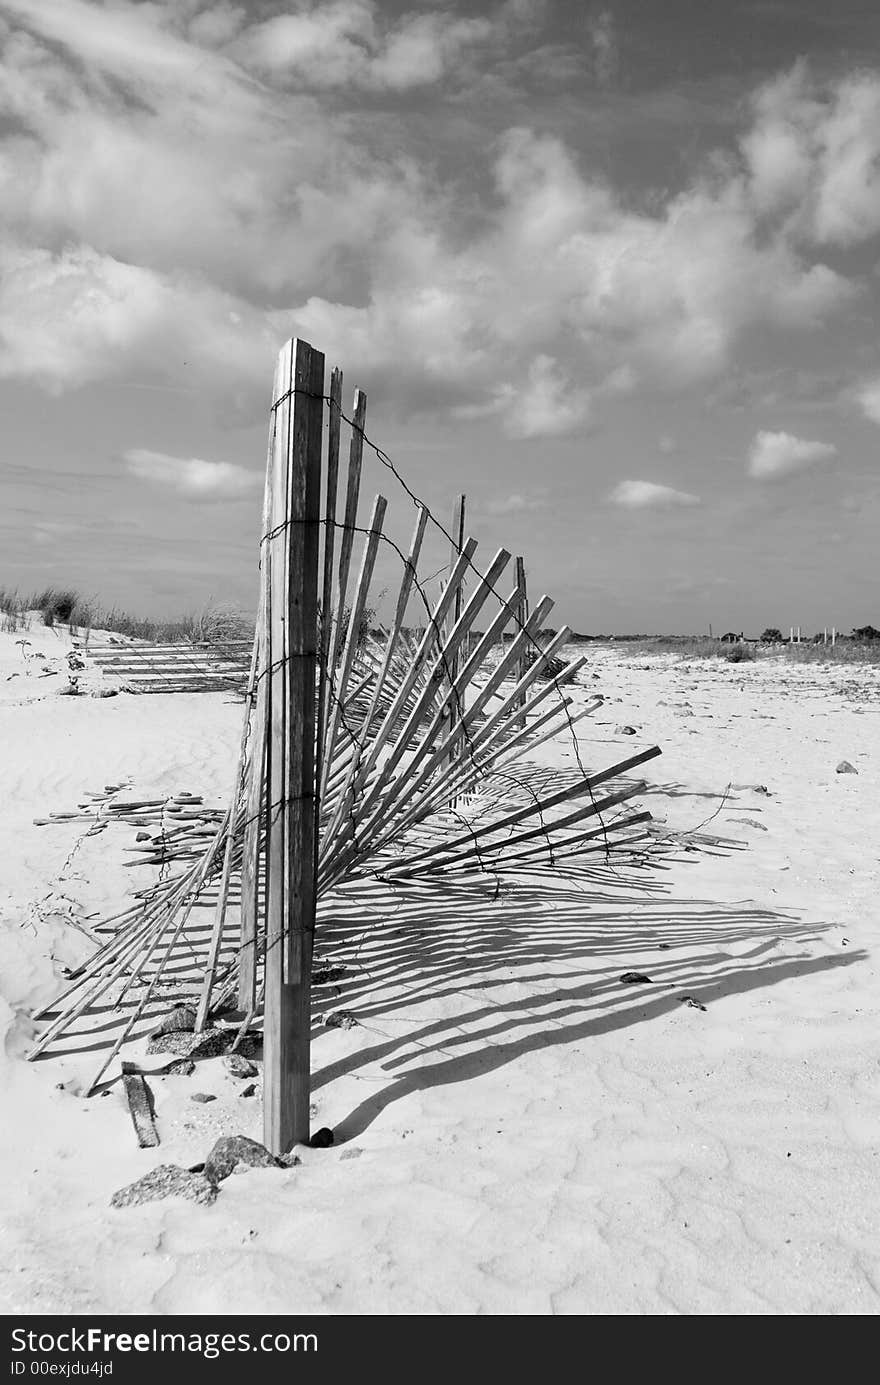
[625, 731]
[231, 1151]
[168, 1180]
[182, 1019]
[240, 1066]
[340, 1019]
[846, 768]
[210, 1044]
[203, 1097]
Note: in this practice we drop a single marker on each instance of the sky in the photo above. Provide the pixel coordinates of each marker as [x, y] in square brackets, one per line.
[612, 271]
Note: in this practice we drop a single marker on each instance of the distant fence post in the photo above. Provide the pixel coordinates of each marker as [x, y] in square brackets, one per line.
[290, 671]
[522, 615]
[452, 714]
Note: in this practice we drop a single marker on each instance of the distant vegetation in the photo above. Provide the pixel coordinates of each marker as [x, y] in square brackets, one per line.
[216, 623]
[861, 646]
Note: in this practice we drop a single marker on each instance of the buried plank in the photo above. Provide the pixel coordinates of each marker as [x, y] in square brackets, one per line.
[140, 1105]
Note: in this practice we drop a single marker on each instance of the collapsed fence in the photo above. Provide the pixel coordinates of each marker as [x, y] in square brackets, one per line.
[359, 756]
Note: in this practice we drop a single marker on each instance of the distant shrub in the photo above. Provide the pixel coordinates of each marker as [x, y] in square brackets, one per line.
[56, 604]
[740, 654]
[772, 636]
[866, 632]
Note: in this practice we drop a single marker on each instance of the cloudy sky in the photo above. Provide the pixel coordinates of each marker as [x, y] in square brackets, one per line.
[611, 270]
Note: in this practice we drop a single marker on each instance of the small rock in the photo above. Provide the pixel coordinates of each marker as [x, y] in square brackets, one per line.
[290, 1161]
[203, 1097]
[210, 1044]
[635, 978]
[321, 1139]
[351, 1153]
[145, 837]
[183, 1067]
[239, 1066]
[625, 731]
[182, 1018]
[340, 1019]
[846, 768]
[321, 975]
[249, 1090]
[168, 1180]
[233, 1151]
[692, 1001]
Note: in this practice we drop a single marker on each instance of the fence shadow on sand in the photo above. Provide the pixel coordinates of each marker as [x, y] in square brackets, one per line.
[452, 980]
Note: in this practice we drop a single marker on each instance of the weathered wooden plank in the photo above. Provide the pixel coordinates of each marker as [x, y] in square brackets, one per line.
[293, 634]
[334, 425]
[140, 1106]
[338, 679]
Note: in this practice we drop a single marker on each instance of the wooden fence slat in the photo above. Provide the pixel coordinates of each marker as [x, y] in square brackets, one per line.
[333, 431]
[339, 674]
[349, 523]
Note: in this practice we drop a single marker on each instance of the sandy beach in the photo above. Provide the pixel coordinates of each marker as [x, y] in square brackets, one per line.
[516, 1130]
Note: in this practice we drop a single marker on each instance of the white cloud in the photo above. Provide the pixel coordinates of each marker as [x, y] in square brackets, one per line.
[868, 396]
[547, 405]
[814, 155]
[647, 495]
[181, 184]
[603, 38]
[191, 477]
[774, 455]
[345, 43]
[77, 317]
[516, 504]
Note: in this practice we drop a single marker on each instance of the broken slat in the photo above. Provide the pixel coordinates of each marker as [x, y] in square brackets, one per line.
[140, 1105]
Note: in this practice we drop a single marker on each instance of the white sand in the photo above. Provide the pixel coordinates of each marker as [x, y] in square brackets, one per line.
[516, 1130]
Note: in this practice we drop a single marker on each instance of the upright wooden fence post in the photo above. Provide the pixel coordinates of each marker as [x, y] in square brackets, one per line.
[292, 812]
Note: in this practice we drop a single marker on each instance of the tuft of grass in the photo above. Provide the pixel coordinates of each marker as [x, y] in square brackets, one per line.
[56, 604]
[14, 611]
[220, 623]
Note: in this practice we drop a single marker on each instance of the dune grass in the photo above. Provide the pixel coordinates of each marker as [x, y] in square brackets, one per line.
[846, 650]
[217, 623]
